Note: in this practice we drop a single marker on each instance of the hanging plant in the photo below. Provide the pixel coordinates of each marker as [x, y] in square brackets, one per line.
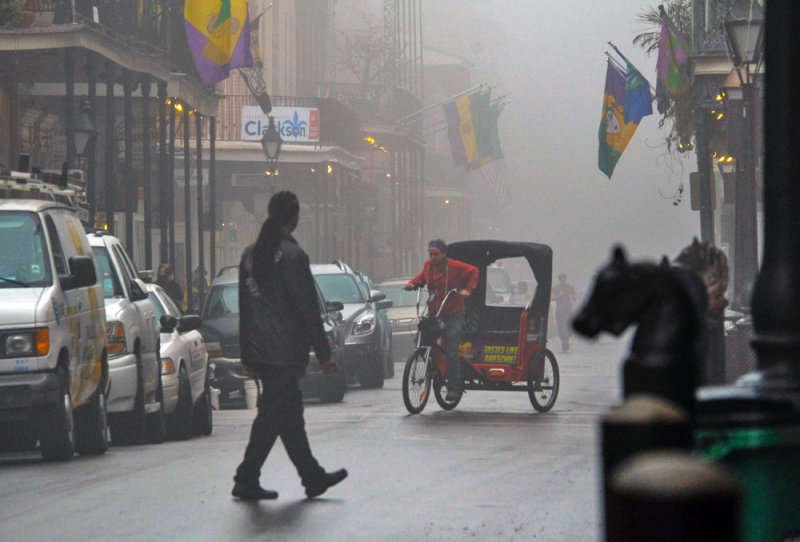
[11, 12]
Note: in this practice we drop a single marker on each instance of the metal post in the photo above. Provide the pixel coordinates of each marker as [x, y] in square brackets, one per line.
[147, 181]
[170, 188]
[131, 189]
[200, 228]
[163, 171]
[187, 208]
[91, 151]
[212, 191]
[745, 233]
[69, 69]
[110, 147]
[704, 175]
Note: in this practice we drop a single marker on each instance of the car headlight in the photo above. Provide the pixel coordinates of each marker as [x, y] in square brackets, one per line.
[116, 338]
[214, 349]
[364, 324]
[167, 366]
[35, 342]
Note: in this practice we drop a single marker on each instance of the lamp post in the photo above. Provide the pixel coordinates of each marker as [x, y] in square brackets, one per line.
[271, 143]
[83, 137]
[744, 39]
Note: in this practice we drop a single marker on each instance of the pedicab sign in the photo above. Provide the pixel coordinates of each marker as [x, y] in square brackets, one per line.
[294, 124]
[491, 353]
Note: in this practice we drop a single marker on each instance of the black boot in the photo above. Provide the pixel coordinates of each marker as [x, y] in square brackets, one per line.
[255, 492]
[320, 486]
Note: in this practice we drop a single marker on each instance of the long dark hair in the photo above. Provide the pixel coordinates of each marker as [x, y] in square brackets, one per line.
[283, 209]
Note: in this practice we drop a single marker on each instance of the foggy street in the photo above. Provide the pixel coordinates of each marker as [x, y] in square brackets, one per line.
[492, 469]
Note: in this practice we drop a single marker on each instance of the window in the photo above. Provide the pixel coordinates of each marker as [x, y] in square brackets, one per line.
[222, 300]
[24, 260]
[105, 271]
[342, 288]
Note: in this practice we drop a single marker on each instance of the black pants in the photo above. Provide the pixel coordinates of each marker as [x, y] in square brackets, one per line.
[280, 414]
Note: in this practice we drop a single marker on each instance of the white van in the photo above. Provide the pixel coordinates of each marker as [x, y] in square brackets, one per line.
[53, 361]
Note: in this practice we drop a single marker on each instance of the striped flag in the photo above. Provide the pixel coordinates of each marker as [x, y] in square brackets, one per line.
[218, 33]
[674, 50]
[472, 130]
[614, 133]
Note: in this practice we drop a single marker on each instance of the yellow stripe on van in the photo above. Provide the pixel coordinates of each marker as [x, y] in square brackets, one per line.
[76, 237]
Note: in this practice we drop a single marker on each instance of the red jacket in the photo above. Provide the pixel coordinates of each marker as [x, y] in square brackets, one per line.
[458, 275]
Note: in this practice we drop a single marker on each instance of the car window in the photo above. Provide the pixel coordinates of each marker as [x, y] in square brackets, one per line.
[222, 299]
[23, 250]
[399, 296]
[342, 288]
[160, 310]
[105, 270]
[170, 305]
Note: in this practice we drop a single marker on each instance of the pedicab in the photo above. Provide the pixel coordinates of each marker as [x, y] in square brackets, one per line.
[504, 344]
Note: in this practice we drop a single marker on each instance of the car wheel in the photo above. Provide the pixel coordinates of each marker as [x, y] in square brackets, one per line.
[16, 438]
[179, 424]
[156, 429]
[371, 374]
[91, 425]
[129, 427]
[58, 434]
[203, 413]
[333, 387]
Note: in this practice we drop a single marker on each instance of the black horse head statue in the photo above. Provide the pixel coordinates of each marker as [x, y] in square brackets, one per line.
[667, 304]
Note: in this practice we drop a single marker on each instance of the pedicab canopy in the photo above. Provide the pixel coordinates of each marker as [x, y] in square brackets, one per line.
[481, 254]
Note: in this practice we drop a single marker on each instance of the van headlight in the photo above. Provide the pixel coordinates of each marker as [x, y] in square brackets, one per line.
[34, 342]
[116, 339]
[364, 324]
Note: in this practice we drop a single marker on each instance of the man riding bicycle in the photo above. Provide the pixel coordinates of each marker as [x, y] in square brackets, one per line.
[442, 274]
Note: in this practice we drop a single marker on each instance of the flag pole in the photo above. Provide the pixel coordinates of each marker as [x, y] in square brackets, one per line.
[446, 100]
[630, 64]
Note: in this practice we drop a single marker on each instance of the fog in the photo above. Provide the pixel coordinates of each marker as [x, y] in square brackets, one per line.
[549, 59]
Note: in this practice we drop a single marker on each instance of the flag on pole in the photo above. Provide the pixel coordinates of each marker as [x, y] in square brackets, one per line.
[638, 97]
[614, 133]
[674, 50]
[472, 130]
[218, 34]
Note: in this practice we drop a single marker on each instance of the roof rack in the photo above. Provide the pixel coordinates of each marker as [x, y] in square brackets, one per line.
[66, 187]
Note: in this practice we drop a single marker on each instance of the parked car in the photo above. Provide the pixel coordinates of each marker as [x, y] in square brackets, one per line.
[363, 357]
[220, 329]
[136, 399]
[53, 361]
[185, 373]
[402, 315]
[385, 325]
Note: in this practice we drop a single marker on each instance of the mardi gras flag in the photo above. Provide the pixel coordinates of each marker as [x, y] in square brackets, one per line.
[674, 49]
[638, 97]
[614, 132]
[472, 130]
[218, 33]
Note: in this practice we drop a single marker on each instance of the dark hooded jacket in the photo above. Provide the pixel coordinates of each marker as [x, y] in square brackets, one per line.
[281, 322]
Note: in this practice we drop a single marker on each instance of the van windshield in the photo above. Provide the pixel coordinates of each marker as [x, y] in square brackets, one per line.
[25, 260]
[222, 299]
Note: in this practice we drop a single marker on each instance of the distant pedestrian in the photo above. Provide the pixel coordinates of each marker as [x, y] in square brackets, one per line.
[564, 296]
[199, 287]
[279, 321]
[166, 279]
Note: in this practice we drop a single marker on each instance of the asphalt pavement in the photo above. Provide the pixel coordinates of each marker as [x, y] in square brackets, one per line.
[492, 469]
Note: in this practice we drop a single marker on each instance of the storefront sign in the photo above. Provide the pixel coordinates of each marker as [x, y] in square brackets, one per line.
[294, 124]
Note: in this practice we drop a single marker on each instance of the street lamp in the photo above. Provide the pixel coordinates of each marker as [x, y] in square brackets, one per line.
[271, 142]
[84, 131]
[744, 38]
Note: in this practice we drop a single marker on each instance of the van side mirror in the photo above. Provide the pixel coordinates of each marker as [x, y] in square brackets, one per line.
[82, 273]
[138, 292]
[385, 304]
[189, 322]
[167, 323]
[334, 306]
[376, 295]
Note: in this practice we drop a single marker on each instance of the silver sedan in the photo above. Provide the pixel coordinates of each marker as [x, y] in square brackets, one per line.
[184, 369]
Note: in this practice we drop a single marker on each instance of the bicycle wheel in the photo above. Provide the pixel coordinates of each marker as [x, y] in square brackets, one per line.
[416, 381]
[440, 392]
[543, 381]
